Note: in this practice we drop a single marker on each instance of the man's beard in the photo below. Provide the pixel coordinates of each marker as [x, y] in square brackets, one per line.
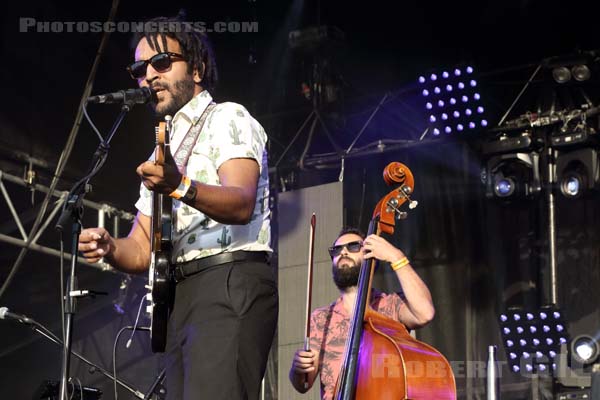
[180, 94]
[347, 276]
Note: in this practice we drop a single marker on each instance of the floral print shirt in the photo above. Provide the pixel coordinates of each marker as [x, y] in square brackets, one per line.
[329, 327]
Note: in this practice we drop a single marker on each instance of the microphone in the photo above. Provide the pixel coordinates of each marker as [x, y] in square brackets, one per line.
[5, 314]
[134, 96]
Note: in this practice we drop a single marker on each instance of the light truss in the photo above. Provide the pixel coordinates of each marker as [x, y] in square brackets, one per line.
[103, 212]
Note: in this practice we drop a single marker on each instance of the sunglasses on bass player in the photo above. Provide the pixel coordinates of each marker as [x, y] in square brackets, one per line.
[161, 62]
[353, 247]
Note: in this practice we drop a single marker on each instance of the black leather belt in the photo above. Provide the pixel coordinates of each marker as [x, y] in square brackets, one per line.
[182, 271]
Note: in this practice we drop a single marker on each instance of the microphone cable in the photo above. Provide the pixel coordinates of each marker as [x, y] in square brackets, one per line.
[123, 329]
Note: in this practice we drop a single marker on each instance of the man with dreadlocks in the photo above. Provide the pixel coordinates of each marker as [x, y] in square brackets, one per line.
[225, 309]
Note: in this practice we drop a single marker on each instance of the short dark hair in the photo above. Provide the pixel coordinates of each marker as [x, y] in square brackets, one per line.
[350, 230]
[195, 46]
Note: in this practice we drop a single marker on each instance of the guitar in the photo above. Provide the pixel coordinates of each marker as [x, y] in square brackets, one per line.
[160, 283]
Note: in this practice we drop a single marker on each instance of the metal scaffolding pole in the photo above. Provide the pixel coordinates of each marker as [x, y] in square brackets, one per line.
[102, 209]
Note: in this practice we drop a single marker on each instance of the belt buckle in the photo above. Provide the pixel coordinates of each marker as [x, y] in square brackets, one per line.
[179, 274]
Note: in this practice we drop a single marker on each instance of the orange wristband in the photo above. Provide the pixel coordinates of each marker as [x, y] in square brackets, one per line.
[182, 189]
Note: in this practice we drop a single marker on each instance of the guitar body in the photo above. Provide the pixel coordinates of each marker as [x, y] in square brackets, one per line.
[160, 279]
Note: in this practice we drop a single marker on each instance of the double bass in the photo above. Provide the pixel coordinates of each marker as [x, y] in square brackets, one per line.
[381, 360]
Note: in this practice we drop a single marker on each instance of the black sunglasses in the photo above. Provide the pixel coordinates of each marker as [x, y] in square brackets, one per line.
[353, 247]
[161, 62]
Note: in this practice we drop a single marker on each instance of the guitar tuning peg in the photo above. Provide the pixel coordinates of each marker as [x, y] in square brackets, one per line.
[413, 204]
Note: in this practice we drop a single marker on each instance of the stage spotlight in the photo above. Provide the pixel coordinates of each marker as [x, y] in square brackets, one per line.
[561, 74]
[584, 350]
[512, 176]
[581, 73]
[578, 172]
[571, 183]
[504, 186]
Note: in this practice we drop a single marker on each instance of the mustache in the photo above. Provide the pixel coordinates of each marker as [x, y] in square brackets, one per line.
[162, 86]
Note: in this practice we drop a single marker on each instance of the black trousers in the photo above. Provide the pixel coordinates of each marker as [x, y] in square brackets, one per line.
[220, 332]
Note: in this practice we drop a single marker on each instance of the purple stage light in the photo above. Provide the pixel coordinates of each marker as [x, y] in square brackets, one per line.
[421, 79]
[445, 74]
[562, 340]
[452, 100]
[468, 112]
[460, 127]
[432, 118]
[456, 114]
[484, 123]
[461, 85]
[444, 116]
[441, 103]
[476, 96]
[473, 83]
[437, 90]
[436, 131]
[480, 110]
[464, 98]
[425, 92]
[556, 315]
[529, 367]
[449, 88]
[433, 77]
[428, 106]
[469, 70]
[471, 125]
[457, 72]
[448, 129]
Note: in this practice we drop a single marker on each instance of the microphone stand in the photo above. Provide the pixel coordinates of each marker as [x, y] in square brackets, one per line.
[42, 330]
[72, 213]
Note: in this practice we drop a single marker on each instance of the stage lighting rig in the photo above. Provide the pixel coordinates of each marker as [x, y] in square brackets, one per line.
[577, 66]
[577, 160]
[578, 367]
[533, 338]
[452, 101]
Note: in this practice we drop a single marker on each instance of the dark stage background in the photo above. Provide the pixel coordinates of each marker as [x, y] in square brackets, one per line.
[478, 256]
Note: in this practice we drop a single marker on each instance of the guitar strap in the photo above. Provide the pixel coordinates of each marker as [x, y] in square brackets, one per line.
[182, 154]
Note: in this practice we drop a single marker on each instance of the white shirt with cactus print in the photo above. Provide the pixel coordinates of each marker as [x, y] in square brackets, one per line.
[229, 132]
